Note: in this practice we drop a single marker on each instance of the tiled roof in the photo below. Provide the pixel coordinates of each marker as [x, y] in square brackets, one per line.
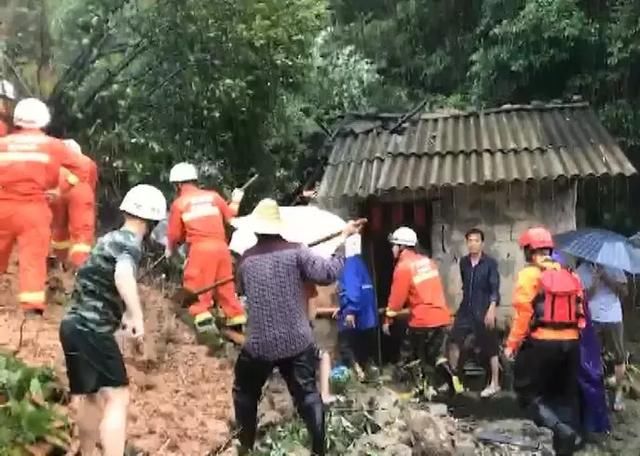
[512, 143]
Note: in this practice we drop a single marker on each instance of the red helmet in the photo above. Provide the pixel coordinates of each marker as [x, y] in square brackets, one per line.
[536, 238]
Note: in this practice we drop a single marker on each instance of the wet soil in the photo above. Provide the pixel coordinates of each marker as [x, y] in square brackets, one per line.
[181, 396]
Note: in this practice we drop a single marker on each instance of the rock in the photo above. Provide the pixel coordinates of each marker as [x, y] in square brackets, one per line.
[437, 409]
[380, 443]
[383, 402]
[270, 418]
[429, 433]
[528, 439]
[464, 445]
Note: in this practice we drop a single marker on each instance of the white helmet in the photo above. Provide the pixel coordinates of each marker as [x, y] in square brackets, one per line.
[242, 240]
[404, 236]
[145, 202]
[73, 145]
[183, 172]
[31, 113]
[7, 90]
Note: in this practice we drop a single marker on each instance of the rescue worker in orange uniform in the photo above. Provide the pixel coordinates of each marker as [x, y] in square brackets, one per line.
[74, 209]
[7, 100]
[197, 217]
[29, 165]
[544, 338]
[417, 284]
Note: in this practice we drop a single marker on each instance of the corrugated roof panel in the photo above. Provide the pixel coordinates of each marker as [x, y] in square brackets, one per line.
[516, 143]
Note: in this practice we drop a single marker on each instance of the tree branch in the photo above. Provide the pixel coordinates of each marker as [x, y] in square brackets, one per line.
[83, 59]
[140, 47]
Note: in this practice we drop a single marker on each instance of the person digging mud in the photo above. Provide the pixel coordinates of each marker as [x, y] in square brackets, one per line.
[272, 276]
[548, 315]
[104, 299]
[197, 217]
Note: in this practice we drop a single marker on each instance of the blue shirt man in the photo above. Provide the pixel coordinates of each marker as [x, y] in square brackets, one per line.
[477, 313]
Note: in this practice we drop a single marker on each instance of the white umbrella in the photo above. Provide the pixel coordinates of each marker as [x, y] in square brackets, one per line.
[305, 225]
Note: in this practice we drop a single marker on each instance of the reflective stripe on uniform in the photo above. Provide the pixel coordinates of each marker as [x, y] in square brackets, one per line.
[239, 320]
[60, 245]
[38, 157]
[200, 212]
[31, 296]
[80, 248]
[203, 317]
[422, 276]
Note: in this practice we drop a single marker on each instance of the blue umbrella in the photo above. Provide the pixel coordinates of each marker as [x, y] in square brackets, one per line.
[602, 247]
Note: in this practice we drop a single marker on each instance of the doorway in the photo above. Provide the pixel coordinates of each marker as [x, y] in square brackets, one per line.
[384, 218]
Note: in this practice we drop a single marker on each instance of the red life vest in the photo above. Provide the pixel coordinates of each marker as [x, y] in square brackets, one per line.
[557, 306]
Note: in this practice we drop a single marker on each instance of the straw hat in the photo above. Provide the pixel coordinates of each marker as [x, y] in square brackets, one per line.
[265, 219]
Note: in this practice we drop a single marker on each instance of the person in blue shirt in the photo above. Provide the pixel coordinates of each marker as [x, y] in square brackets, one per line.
[358, 313]
[477, 313]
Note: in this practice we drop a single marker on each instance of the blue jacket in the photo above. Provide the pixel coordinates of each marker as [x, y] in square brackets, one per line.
[480, 286]
[357, 296]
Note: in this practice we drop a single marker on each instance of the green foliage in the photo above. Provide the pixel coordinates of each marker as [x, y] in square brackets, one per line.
[256, 85]
[27, 413]
[343, 429]
[533, 53]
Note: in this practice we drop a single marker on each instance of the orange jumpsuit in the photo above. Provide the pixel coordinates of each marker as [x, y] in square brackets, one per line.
[526, 290]
[74, 212]
[197, 216]
[29, 166]
[416, 282]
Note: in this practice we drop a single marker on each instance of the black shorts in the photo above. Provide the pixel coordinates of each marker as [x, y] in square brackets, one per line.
[611, 337]
[486, 339]
[93, 359]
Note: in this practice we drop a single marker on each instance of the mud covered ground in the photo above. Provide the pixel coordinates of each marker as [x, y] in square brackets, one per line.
[181, 398]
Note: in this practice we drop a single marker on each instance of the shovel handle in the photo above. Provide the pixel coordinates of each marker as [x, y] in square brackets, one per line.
[213, 286]
[331, 236]
[249, 182]
[312, 244]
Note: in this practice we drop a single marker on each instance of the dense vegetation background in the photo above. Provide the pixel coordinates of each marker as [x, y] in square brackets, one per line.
[257, 84]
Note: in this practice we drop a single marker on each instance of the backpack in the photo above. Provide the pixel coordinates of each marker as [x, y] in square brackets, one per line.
[558, 305]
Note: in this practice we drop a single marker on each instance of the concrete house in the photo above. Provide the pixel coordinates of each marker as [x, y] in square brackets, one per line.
[502, 170]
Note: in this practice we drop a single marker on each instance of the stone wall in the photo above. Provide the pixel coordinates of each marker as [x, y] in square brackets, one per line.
[502, 212]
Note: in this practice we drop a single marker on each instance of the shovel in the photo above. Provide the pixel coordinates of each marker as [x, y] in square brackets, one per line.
[186, 297]
[249, 182]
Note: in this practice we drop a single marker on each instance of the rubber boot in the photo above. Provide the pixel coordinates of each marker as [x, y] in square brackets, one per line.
[565, 439]
[312, 412]
[246, 422]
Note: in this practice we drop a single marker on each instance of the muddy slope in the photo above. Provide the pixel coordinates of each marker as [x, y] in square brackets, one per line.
[181, 399]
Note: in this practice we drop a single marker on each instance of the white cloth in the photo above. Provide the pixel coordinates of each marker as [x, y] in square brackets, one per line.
[353, 245]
